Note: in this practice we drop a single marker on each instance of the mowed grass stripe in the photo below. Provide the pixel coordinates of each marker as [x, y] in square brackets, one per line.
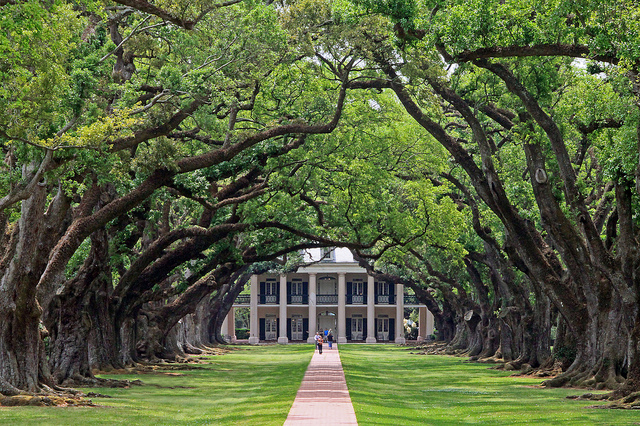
[390, 386]
[249, 386]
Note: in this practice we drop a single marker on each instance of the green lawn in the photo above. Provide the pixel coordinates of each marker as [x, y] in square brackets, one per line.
[390, 386]
[249, 386]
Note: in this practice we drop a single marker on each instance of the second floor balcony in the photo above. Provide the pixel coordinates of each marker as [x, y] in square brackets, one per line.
[356, 299]
[298, 299]
[326, 299]
[385, 299]
[268, 299]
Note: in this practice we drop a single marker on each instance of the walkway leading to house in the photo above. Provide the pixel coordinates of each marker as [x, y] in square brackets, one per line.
[323, 397]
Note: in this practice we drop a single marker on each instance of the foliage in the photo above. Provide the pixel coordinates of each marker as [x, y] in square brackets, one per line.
[35, 46]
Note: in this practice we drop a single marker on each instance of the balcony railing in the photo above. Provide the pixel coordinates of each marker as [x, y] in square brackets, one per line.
[243, 299]
[268, 299]
[356, 299]
[326, 299]
[298, 299]
[385, 299]
[411, 299]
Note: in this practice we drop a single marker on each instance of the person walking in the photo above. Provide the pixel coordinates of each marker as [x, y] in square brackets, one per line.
[319, 342]
[330, 339]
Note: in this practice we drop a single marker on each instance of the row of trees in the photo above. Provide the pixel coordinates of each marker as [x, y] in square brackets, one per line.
[153, 161]
[546, 164]
[484, 153]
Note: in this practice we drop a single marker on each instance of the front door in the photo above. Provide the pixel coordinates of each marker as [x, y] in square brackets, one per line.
[296, 328]
[383, 328]
[271, 329]
[356, 328]
[327, 322]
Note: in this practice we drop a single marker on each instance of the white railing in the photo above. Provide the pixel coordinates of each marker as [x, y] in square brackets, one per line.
[270, 298]
[326, 299]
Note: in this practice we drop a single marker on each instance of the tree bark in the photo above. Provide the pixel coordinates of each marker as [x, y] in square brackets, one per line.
[22, 365]
[73, 318]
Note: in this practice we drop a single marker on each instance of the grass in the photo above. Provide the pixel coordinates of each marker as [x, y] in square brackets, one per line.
[249, 386]
[390, 386]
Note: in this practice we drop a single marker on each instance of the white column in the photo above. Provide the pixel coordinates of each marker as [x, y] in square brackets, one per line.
[254, 328]
[371, 310]
[429, 323]
[231, 325]
[342, 312]
[400, 314]
[422, 324]
[282, 335]
[312, 308]
[225, 328]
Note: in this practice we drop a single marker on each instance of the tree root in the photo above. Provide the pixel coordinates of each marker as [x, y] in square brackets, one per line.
[431, 348]
[150, 368]
[44, 401]
[7, 389]
[581, 378]
[97, 382]
[629, 402]
[191, 350]
[47, 397]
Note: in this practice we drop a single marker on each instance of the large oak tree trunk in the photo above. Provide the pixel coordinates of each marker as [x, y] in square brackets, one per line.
[473, 322]
[506, 349]
[193, 343]
[103, 344]
[126, 333]
[22, 363]
[601, 350]
[223, 305]
[460, 341]
[445, 324]
[73, 317]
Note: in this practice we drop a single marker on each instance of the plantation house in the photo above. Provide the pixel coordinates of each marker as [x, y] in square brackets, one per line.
[333, 293]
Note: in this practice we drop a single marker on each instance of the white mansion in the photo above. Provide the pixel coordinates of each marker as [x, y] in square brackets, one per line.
[334, 293]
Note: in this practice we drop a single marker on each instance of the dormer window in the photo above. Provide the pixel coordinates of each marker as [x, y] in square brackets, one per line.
[327, 254]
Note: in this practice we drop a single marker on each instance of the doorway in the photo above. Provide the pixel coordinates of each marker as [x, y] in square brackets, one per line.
[357, 328]
[327, 321]
[382, 327]
[297, 327]
[271, 328]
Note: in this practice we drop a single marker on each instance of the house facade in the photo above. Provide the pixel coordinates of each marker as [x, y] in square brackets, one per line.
[334, 293]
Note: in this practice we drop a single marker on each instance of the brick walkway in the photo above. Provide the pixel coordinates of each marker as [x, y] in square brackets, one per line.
[323, 397]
